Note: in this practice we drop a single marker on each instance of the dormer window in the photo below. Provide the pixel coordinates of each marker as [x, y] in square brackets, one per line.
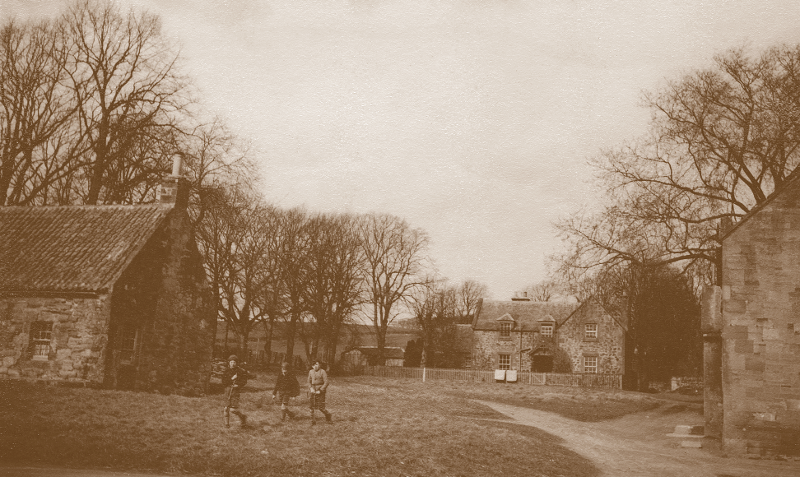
[546, 329]
[505, 330]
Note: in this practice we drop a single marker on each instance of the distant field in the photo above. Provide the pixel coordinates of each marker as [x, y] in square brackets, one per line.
[382, 427]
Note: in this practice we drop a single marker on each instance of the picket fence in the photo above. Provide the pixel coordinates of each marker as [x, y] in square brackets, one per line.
[488, 376]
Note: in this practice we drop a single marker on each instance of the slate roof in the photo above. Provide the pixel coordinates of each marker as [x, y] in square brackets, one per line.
[72, 248]
[526, 314]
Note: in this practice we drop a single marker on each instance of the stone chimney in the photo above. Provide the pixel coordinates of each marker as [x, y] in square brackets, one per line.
[520, 296]
[174, 189]
[724, 225]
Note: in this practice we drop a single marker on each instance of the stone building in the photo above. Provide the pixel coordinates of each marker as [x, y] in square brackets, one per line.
[356, 358]
[547, 337]
[751, 325]
[113, 296]
[593, 339]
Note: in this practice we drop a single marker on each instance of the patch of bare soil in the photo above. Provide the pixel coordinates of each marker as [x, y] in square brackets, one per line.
[637, 444]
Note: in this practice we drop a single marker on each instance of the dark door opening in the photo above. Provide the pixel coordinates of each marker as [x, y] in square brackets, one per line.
[542, 363]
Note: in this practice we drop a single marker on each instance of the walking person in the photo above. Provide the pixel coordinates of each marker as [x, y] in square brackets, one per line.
[286, 387]
[318, 385]
[234, 378]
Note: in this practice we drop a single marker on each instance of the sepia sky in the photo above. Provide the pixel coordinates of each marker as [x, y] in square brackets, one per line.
[472, 119]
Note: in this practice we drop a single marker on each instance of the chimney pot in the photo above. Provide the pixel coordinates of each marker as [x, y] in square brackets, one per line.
[176, 165]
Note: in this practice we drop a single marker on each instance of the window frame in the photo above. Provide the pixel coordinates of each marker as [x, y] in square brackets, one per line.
[128, 355]
[505, 330]
[504, 359]
[546, 326]
[41, 339]
[588, 367]
[590, 334]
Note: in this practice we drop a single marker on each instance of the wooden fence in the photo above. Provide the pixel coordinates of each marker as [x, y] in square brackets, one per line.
[487, 376]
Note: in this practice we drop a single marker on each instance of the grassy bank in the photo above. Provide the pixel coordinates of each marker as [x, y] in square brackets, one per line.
[381, 427]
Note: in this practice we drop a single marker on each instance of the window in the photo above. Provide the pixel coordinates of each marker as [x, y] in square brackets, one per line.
[546, 330]
[129, 338]
[590, 364]
[504, 361]
[505, 330]
[467, 361]
[591, 331]
[41, 334]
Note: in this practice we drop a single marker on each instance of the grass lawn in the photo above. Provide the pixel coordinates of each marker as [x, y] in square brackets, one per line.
[580, 404]
[381, 427]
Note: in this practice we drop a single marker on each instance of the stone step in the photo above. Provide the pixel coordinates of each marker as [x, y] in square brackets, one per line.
[692, 444]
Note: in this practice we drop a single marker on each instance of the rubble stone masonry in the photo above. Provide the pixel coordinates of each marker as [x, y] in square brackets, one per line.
[78, 337]
[608, 347]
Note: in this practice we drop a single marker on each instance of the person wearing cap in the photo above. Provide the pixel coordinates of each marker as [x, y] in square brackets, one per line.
[233, 379]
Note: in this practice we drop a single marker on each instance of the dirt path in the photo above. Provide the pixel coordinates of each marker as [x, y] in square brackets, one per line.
[637, 445]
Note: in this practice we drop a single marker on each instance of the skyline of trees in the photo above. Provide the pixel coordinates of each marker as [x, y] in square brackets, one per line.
[94, 107]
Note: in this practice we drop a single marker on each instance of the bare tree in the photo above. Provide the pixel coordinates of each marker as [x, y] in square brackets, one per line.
[91, 107]
[469, 295]
[214, 159]
[395, 261]
[232, 238]
[436, 313]
[546, 290]
[35, 109]
[292, 250]
[125, 84]
[721, 141]
[334, 285]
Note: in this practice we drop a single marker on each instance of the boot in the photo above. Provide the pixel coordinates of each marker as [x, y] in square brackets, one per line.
[290, 414]
[242, 418]
[313, 418]
[328, 416]
[227, 419]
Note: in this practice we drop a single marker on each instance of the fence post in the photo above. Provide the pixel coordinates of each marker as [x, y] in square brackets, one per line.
[423, 374]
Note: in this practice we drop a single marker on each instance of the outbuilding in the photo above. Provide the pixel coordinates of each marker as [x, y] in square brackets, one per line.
[111, 295]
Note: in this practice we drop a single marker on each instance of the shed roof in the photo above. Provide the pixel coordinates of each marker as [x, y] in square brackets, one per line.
[389, 352]
[526, 314]
[72, 248]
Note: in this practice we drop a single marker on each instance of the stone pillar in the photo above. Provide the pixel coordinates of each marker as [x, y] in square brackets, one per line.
[711, 326]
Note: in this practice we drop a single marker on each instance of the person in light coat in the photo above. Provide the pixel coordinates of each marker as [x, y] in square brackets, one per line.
[318, 385]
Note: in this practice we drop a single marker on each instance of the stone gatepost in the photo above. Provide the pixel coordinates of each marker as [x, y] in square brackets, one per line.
[711, 326]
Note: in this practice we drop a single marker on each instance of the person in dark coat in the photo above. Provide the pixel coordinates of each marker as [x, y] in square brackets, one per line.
[234, 379]
[286, 387]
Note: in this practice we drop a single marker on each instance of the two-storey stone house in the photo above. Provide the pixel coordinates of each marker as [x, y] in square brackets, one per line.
[548, 337]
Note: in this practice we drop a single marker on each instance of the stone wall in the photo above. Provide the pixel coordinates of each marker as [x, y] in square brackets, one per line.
[761, 330]
[177, 351]
[488, 345]
[608, 347]
[78, 339]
